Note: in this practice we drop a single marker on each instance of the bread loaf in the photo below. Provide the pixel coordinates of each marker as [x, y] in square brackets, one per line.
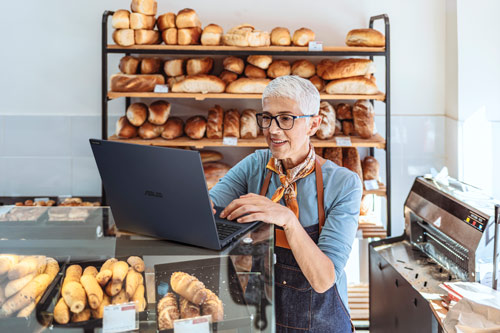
[214, 123]
[149, 131]
[124, 130]
[124, 37]
[228, 76]
[166, 21]
[141, 21]
[168, 311]
[188, 287]
[133, 280]
[61, 312]
[252, 71]
[188, 36]
[338, 127]
[188, 309]
[364, 118]
[146, 37]
[173, 128]
[187, 18]
[136, 263]
[195, 127]
[334, 155]
[351, 161]
[233, 64]
[172, 80]
[261, 61]
[348, 127]
[137, 114]
[370, 168]
[120, 270]
[150, 65]
[135, 83]
[365, 37]
[232, 123]
[93, 290]
[303, 68]
[327, 127]
[199, 66]
[147, 7]
[303, 36]
[352, 85]
[280, 36]
[213, 306]
[330, 70]
[159, 112]
[121, 19]
[174, 67]
[279, 68]
[318, 82]
[210, 156]
[212, 35]
[129, 65]
[246, 35]
[200, 84]
[248, 124]
[108, 264]
[169, 36]
[344, 111]
[74, 296]
[103, 277]
[246, 85]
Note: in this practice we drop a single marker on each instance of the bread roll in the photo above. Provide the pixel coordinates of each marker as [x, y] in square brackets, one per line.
[214, 123]
[344, 111]
[168, 311]
[371, 168]
[199, 66]
[252, 71]
[108, 264]
[334, 155]
[174, 79]
[159, 112]
[246, 35]
[146, 37]
[248, 124]
[124, 37]
[348, 127]
[74, 296]
[187, 18]
[279, 68]
[210, 156]
[364, 118]
[120, 270]
[318, 82]
[149, 131]
[173, 128]
[136, 263]
[261, 61]
[188, 309]
[150, 65]
[233, 64]
[52, 268]
[166, 21]
[139, 299]
[135, 83]
[327, 127]
[124, 130]
[141, 21]
[365, 37]
[228, 76]
[188, 287]
[200, 84]
[303, 36]
[211, 35]
[99, 312]
[121, 19]
[147, 7]
[129, 65]
[280, 36]
[352, 85]
[169, 36]
[232, 123]
[103, 277]
[330, 70]
[93, 290]
[61, 312]
[137, 114]
[174, 67]
[338, 127]
[351, 161]
[195, 127]
[188, 36]
[303, 68]
[214, 171]
[247, 86]
[133, 280]
[213, 306]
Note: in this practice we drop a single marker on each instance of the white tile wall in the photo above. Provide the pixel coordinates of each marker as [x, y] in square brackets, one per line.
[85, 180]
[82, 129]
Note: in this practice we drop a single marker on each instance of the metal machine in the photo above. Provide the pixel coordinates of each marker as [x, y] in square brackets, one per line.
[449, 236]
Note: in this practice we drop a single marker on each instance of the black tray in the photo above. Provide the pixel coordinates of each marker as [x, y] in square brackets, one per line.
[208, 271]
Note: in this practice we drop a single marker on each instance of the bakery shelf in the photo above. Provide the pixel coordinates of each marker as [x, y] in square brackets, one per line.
[376, 141]
[381, 191]
[200, 97]
[371, 230]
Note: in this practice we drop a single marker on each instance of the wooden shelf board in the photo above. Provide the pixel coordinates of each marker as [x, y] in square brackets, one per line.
[200, 97]
[382, 190]
[376, 141]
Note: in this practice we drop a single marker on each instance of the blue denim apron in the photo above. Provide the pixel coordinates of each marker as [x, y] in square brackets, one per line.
[298, 307]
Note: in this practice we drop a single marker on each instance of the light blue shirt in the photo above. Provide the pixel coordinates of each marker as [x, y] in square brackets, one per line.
[342, 199]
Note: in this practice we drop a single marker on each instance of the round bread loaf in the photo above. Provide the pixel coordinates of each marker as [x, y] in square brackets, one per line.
[318, 82]
[174, 67]
[187, 18]
[137, 113]
[199, 66]
[327, 127]
[261, 61]
[169, 36]
[188, 36]
[159, 112]
[370, 168]
[279, 68]
[254, 72]
[165, 21]
[348, 127]
[234, 64]
[195, 127]
[121, 19]
[212, 35]
[147, 37]
[149, 131]
[150, 65]
[173, 128]
[125, 130]
[124, 37]
[228, 76]
[280, 36]
[343, 111]
[303, 36]
[303, 68]
[129, 65]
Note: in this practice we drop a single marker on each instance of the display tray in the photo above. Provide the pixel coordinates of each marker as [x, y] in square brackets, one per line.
[45, 309]
[211, 273]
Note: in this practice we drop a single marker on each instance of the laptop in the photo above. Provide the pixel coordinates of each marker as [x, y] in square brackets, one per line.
[162, 192]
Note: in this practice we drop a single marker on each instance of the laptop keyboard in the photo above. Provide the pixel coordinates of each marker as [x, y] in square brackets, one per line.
[224, 230]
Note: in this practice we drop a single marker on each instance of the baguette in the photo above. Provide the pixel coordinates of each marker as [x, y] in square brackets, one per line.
[108, 264]
[99, 312]
[90, 270]
[15, 285]
[81, 316]
[61, 312]
[212, 306]
[7, 261]
[93, 290]
[134, 279]
[188, 309]
[139, 299]
[120, 270]
[73, 274]
[27, 310]
[26, 266]
[52, 268]
[74, 296]
[103, 277]
[137, 263]
[188, 287]
[27, 295]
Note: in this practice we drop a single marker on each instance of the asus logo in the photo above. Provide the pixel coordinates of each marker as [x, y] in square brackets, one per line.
[153, 194]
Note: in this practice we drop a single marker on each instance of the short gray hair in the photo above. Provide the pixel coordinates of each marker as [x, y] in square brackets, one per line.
[296, 88]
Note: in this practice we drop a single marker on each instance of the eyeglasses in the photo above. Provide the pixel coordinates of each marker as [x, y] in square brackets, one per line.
[284, 121]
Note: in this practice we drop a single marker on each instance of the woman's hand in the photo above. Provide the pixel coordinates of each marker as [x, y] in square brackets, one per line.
[259, 208]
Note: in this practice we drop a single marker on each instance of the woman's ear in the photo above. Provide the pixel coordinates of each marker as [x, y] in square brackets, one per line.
[314, 125]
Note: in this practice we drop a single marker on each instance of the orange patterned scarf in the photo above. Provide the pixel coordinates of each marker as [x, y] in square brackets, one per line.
[288, 188]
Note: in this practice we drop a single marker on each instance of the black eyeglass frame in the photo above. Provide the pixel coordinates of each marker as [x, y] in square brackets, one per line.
[275, 118]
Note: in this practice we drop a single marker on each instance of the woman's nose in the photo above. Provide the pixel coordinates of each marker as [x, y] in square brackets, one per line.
[273, 128]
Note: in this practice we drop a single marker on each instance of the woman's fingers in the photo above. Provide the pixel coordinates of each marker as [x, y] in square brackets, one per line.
[251, 218]
[242, 210]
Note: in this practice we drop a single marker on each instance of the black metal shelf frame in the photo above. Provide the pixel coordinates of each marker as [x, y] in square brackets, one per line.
[105, 51]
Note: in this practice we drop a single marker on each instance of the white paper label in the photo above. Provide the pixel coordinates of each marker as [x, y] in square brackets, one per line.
[119, 318]
[315, 46]
[230, 141]
[161, 88]
[371, 185]
[193, 325]
[41, 199]
[343, 141]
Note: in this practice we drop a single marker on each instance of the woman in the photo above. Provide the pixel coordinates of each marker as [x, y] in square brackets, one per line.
[280, 186]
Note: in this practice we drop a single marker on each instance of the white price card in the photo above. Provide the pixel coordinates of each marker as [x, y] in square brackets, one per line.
[343, 141]
[41, 199]
[230, 141]
[315, 46]
[193, 325]
[119, 318]
[161, 88]
[371, 185]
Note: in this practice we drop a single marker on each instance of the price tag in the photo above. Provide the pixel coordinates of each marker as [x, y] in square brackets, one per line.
[371, 185]
[119, 318]
[193, 325]
[343, 141]
[315, 46]
[41, 199]
[230, 141]
[161, 88]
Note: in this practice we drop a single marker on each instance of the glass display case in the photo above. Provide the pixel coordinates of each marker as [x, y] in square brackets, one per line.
[241, 275]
